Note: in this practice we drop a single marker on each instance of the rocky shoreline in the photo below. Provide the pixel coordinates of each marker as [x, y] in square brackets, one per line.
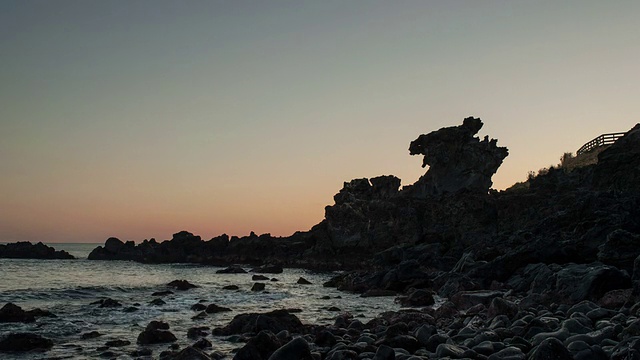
[27, 250]
[549, 271]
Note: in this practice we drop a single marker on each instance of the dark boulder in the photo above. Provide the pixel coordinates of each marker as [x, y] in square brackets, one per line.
[297, 348]
[259, 347]
[14, 313]
[181, 285]
[156, 332]
[213, 308]
[107, 303]
[258, 286]
[188, 353]
[550, 348]
[274, 321]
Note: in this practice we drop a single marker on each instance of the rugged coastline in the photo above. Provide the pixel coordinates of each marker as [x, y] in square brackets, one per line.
[551, 271]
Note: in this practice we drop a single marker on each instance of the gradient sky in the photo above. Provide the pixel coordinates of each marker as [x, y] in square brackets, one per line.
[138, 119]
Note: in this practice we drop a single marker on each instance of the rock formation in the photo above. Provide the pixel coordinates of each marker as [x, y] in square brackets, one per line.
[449, 221]
[458, 161]
[27, 250]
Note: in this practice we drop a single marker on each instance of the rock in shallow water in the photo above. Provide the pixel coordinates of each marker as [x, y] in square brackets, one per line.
[157, 332]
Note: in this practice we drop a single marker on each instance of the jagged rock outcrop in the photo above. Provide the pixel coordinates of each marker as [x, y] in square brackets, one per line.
[458, 161]
[27, 250]
[562, 218]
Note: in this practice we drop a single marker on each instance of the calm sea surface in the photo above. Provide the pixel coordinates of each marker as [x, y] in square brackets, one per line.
[68, 287]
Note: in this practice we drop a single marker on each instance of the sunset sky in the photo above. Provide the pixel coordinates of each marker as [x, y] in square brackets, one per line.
[138, 119]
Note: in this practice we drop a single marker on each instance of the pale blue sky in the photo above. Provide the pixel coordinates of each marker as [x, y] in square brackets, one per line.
[138, 119]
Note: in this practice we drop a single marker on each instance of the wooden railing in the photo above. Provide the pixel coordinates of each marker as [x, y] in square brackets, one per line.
[604, 139]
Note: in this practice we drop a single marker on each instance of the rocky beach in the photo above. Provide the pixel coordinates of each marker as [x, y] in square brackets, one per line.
[549, 269]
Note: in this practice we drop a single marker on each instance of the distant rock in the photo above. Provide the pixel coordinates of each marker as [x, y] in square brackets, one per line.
[26, 250]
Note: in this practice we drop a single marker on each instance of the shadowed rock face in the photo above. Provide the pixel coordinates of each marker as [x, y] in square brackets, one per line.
[619, 165]
[457, 159]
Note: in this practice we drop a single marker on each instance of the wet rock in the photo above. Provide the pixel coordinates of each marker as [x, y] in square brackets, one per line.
[550, 348]
[117, 343]
[325, 338]
[274, 321]
[202, 344]
[14, 313]
[143, 351]
[213, 308]
[258, 286]
[385, 353]
[188, 353]
[90, 335]
[24, 342]
[107, 303]
[231, 287]
[157, 302]
[199, 316]
[197, 332]
[297, 348]
[303, 281]
[232, 270]
[508, 353]
[181, 285]
[259, 347]
[259, 278]
[450, 350]
[156, 332]
[198, 307]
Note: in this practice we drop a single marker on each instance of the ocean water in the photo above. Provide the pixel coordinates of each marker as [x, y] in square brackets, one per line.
[68, 287]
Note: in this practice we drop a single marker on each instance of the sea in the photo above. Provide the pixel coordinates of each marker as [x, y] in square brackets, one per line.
[67, 288]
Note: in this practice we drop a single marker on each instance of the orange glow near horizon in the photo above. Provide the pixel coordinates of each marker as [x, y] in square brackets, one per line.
[227, 117]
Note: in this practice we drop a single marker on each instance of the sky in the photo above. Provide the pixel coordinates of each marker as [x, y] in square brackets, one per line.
[139, 119]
